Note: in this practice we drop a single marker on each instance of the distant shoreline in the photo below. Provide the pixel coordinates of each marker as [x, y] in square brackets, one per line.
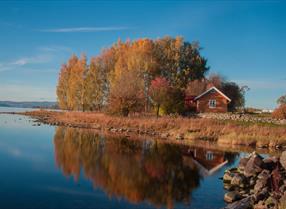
[30, 104]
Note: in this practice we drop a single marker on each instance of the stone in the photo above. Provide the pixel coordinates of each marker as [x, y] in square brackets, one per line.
[165, 135]
[232, 196]
[228, 187]
[239, 180]
[180, 137]
[113, 130]
[242, 163]
[282, 189]
[252, 181]
[227, 177]
[254, 165]
[283, 159]
[271, 202]
[260, 205]
[260, 184]
[264, 174]
[244, 203]
[261, 195]
[262, 145]
[269, 163]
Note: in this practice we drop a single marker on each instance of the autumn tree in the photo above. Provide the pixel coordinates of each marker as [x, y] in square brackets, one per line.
[196, 87]
[216, 80]
[120, 76]
[281, 100]
[95, 85]
[280, 112]
[141, 58]
[76, 92]
[62, 87]
[159, 92]
[180, 61]
[126, 93]
[236, 94]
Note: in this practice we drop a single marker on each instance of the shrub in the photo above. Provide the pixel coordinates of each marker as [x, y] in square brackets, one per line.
[280, 112]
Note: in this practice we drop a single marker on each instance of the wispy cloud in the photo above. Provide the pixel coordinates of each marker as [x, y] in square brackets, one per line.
[32, 60]
[55, 49]
[84, 29]
[23, 61]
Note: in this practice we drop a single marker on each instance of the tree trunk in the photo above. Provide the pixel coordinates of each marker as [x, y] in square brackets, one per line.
[158, 109]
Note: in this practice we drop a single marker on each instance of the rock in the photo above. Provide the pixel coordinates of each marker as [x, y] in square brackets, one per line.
[260, 184]
[260, 205]
[261, 195]
[273, 143]
[269, 163]
[283, 159]
[262, 144]
[232, 196]
[113, 130]
[227, 177]
[252, 181]
[271, 202]
[265, 174]
[165, 135]
[254, 165]
[244, 203]
[228, 187]
[180, 137]
[242, 163]
[239, 180]
[282, 189]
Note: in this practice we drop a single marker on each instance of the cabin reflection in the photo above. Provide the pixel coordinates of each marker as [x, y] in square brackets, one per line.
[138, 171]
[208, 161]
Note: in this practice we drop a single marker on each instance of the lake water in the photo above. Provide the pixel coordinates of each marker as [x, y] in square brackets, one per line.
[47, 167]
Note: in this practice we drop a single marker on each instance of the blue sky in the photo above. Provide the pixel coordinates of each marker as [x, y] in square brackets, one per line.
[244, 41]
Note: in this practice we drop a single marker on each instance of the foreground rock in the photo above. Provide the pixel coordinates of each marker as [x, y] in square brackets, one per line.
[256, 183]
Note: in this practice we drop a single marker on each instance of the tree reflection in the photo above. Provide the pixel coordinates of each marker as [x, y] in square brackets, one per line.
[135, 170]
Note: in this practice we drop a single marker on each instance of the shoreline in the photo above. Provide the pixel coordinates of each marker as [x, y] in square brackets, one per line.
[170, 129]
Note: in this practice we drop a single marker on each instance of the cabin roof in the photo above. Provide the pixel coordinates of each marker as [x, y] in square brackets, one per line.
[210, 89]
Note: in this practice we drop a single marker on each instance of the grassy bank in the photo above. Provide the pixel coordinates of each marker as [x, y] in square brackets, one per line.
[172, 128]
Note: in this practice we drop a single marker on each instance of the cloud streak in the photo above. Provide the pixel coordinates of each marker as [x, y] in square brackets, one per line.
[53, 49]
[23, 61]
[31, 60]
[83, 29]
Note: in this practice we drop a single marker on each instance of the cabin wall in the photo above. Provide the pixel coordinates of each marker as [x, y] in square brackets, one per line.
[203, 103]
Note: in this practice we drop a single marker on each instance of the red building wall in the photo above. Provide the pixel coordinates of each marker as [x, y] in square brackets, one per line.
[203, 103]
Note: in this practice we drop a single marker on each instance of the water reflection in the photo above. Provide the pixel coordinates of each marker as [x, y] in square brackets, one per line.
[138, 171]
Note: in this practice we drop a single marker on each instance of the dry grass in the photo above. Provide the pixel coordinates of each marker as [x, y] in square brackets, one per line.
[228, 132]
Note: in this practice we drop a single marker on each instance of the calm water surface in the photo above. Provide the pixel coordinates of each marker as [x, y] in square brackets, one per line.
[54, 167]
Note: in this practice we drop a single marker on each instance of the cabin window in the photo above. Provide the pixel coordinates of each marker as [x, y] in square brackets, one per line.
[212, 103]
[209, 155]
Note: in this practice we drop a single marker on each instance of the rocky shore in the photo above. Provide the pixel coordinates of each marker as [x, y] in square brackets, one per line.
[173, 129]
[256, 183]
[243, 118]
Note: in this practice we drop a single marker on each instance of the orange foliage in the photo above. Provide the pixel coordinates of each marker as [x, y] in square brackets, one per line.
[280, 112]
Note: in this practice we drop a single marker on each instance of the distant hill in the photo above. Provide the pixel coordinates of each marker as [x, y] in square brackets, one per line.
[44, 104]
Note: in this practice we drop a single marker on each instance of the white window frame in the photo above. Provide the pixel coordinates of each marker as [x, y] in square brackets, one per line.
[212, 103]
[209, 156]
